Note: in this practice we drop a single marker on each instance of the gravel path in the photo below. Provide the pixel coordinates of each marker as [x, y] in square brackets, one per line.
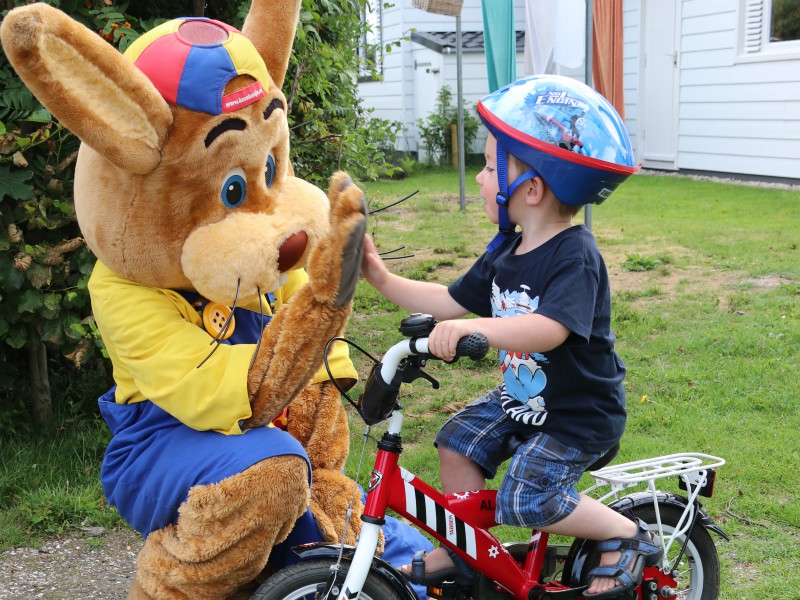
[93, 564]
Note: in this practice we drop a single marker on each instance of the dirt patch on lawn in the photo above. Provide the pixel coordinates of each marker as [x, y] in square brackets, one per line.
[690, 277]
[659, 284]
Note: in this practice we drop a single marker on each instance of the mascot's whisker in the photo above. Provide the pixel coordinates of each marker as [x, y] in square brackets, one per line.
[217, 341]
[372, 212]
[258, 343]
[209, 355]
[384, 256]
[224, 329]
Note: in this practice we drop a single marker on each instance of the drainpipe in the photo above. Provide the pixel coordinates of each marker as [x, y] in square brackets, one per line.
[587, 210]
[461, 151]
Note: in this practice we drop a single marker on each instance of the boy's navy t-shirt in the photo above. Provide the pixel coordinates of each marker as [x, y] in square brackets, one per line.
[573, 392]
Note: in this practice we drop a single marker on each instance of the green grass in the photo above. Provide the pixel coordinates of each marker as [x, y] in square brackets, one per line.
[706, 280]
[51, 484]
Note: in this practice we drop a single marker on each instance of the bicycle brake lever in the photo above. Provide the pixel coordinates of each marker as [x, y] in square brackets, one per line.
[423, 375]
[412, 371]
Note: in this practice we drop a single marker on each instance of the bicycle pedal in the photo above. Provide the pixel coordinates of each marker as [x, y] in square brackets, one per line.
[448, 591]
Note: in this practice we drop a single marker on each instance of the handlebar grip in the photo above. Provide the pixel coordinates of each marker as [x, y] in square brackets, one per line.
[474, 346]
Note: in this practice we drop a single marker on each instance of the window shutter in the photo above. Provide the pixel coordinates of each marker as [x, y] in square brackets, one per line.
[754, 24]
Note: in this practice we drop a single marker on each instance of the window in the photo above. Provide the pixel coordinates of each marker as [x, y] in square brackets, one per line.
[784, 23]
[771, 27]
[370, 48]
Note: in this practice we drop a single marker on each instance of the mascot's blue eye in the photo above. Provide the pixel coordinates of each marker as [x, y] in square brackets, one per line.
[269, 170]
[234, 189]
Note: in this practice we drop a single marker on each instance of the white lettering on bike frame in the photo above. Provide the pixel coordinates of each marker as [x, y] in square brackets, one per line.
[455, 530]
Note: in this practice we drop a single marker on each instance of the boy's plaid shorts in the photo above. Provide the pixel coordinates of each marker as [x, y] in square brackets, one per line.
[539, 486]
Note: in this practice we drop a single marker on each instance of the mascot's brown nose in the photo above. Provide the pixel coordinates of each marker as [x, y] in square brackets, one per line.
[291, 251]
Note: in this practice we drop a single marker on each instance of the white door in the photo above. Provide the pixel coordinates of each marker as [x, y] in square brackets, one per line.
[428, 79]
[659, 83]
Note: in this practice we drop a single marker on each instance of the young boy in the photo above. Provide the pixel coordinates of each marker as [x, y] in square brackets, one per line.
[542, 298]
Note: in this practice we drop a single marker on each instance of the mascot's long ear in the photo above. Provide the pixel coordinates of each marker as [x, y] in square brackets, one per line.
[88, 85]
[271, 26]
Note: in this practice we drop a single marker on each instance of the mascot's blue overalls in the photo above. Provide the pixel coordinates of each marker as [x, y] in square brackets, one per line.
[154, 458]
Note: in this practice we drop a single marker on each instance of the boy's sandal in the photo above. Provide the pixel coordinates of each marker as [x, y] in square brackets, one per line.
[459, 572]
[636, 553]
[627, 571]
[642, 543]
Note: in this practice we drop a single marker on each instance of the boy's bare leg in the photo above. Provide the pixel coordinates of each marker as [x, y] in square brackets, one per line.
[593, 520]
[459, 473]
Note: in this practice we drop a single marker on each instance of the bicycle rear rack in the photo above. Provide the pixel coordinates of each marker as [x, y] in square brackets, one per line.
[692, 468]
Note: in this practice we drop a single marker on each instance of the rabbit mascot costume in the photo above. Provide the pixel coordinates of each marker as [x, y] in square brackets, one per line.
[220, 278]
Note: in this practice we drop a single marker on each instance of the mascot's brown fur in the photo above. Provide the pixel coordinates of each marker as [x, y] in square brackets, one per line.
[147, 196]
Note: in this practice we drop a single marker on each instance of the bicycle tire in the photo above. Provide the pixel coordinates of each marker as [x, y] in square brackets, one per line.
[698, 572]
[300, 581]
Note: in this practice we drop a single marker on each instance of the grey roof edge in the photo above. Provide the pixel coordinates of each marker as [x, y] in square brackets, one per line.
[443, 42]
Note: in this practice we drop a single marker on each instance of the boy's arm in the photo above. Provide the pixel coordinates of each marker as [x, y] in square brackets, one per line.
[414, 296]
[523, 333]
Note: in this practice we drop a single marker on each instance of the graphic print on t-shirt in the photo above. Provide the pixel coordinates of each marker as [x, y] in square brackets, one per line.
[523, 378]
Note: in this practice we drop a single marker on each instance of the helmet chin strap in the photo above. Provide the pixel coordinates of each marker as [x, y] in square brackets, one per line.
[506, 191]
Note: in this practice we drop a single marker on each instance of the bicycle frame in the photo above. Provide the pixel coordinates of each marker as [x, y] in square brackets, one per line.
[459, 521]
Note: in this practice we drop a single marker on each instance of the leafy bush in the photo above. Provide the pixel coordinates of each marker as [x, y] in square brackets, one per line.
[44, 264]
[45, 315]
[331, 129]
[436, 129]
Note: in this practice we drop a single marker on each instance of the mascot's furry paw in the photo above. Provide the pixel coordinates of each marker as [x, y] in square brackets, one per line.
[332, 494]
[341, 246]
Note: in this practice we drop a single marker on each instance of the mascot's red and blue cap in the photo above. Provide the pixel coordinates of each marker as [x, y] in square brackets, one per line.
[190, 61]
[566, 132]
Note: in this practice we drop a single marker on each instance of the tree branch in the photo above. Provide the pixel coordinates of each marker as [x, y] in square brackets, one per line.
[301, 68]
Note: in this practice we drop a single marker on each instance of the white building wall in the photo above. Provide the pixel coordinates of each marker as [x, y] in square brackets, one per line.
[630, 66]
[738, 113]
[393, 97]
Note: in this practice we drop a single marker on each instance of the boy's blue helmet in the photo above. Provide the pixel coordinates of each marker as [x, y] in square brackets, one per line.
[568, 133]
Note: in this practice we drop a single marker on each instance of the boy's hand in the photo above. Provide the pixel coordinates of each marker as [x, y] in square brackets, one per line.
[372, 267]
[445, 336]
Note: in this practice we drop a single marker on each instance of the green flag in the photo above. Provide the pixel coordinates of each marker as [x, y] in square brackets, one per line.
[500, 40]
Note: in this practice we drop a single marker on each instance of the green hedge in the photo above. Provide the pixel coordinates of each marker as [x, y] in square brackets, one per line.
[46, 329]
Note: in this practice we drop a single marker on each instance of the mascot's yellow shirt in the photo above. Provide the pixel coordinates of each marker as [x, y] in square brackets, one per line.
[155, 340]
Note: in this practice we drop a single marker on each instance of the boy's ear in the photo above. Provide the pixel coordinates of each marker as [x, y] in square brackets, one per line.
[535, 190]
[88, 85]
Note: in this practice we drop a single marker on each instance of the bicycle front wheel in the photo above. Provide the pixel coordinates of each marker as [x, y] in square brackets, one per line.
[311, 580]
[697, 573]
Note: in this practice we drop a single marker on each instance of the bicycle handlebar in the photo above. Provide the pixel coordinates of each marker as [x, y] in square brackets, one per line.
[474, 346]
[383, 385]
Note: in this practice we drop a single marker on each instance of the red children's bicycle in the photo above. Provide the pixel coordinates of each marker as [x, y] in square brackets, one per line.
[689, 569]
